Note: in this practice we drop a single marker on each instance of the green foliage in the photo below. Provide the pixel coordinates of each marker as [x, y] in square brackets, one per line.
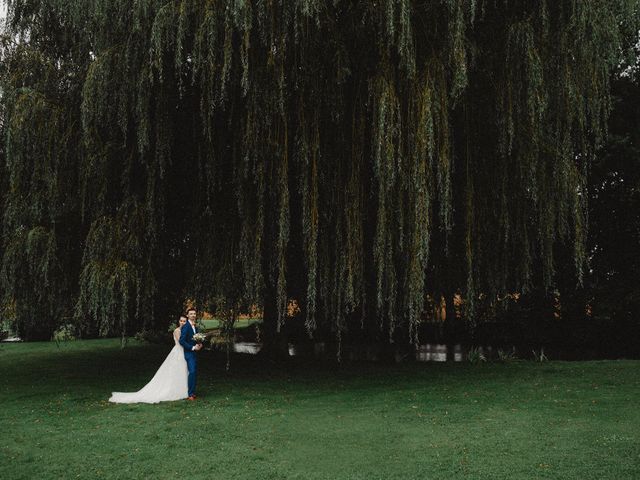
[64, 333]
[5, 329]
[539, 355]
[614, 203]
[152, 336]
[506, 356]
[475, 355]
[197, 149]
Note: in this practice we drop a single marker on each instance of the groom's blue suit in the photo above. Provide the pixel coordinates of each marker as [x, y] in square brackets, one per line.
[187, 342]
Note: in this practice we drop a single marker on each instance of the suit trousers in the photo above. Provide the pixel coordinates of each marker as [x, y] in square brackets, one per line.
[191, 359]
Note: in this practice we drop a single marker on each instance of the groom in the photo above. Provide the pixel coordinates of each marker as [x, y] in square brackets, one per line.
[190, 349]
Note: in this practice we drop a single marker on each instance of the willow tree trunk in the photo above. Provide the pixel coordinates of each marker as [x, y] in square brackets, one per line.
[274, 341]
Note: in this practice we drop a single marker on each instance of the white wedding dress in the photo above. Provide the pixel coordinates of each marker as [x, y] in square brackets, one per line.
[169, 382]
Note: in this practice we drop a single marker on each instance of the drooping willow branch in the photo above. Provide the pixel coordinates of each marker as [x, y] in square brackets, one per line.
[215, 143]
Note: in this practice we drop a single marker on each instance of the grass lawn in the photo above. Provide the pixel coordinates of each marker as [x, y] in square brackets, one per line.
[426, 421]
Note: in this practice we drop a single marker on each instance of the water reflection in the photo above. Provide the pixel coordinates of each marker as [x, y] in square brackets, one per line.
[433, 352]
[424, 353]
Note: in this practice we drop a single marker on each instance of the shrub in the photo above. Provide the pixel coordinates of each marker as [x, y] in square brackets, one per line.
[476, 355]
[539, 356]
[64, 333]
[151, 336]
[505, 356]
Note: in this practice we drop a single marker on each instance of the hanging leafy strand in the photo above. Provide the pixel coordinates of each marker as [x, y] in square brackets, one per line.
[217, 141]
[110, 281]
[39, 143]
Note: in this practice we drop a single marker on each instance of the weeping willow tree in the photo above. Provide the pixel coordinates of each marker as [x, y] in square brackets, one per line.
[356, 156]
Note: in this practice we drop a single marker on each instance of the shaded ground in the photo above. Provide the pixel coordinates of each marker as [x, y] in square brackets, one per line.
[267, 421]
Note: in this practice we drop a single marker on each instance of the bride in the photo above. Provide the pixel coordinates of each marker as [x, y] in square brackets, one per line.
[169, 382]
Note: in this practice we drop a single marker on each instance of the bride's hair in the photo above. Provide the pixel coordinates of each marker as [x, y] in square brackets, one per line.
[181, 317]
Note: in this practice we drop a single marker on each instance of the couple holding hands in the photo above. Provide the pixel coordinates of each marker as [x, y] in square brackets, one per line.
[176, 377]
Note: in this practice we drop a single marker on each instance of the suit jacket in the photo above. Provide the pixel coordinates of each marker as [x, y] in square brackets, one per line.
[186, 338]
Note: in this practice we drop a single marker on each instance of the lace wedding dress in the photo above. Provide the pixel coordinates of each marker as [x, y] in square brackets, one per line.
[169, 382]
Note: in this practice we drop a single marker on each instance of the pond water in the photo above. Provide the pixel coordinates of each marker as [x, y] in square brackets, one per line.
[247, 347]
[424, 353]
[12, 339]
[433, 352]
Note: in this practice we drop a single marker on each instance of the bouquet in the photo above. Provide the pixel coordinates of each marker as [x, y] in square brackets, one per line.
[199, 337]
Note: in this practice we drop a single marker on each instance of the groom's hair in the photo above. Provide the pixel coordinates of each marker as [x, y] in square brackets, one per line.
[190, 309]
